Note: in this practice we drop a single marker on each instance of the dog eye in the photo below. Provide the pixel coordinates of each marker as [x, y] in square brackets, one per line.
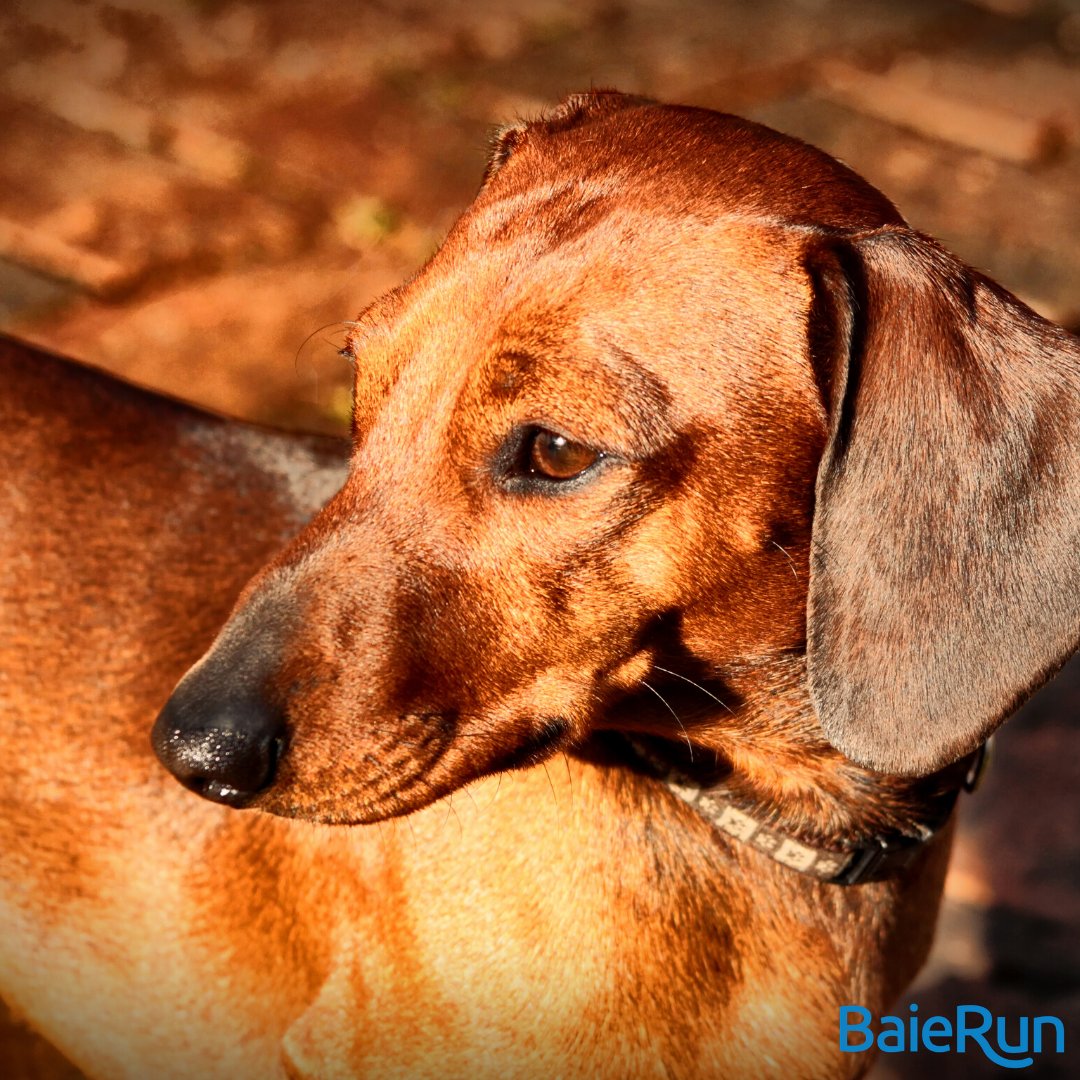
[556, 457]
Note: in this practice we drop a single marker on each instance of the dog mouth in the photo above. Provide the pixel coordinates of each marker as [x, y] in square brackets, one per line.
[428, 758]
[551, 735]
[424, 756]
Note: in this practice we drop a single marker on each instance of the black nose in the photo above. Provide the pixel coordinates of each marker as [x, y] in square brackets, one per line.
[226, 751]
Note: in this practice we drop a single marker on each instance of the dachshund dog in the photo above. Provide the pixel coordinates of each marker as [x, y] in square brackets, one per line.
[701, 522]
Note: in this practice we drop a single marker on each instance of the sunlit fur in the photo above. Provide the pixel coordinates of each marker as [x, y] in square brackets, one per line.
[697, 298]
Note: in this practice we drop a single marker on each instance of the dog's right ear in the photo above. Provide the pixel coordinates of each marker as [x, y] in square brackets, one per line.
[572, 112]
[945, 571]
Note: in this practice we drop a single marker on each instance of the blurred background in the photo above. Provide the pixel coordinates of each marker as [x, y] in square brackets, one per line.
[196, 193]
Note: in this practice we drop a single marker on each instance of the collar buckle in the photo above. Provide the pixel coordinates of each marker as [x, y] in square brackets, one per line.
[881, 857]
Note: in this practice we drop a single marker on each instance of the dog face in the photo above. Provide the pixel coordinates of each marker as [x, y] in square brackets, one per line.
[587, 439]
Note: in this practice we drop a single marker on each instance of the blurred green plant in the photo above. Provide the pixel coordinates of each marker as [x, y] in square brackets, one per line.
[362, 221]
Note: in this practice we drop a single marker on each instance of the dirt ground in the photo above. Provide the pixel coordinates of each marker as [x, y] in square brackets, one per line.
[197, 194]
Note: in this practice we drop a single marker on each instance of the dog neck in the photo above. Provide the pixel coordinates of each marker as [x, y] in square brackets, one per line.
[760, 771]
[843, 863]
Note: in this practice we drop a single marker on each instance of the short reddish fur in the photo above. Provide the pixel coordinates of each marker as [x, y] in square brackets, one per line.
[573, 918]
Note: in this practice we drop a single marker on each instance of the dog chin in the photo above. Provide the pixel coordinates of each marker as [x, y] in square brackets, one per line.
[348, 811]
[367, 805]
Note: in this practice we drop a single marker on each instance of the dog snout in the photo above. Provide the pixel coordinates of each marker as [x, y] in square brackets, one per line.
[225, 750]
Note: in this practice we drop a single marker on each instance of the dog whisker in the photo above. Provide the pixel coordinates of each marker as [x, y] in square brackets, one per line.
[344, 353]
[472, 798]
[569, 777]
[551, 785]
[786, 556]
[696, 685]
[689, 744]
[451, 810]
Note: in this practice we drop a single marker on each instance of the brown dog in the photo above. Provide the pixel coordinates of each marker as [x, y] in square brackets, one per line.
[684, 456]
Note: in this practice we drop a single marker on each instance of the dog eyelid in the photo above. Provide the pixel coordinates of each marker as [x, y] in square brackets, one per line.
[538, 459]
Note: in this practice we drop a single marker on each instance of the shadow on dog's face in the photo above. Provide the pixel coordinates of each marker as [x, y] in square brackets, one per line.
[585, 440]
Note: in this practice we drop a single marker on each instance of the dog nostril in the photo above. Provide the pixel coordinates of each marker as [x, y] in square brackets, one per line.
[227, 756]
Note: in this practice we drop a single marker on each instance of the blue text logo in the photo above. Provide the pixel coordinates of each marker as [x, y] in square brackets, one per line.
[1010, 1043]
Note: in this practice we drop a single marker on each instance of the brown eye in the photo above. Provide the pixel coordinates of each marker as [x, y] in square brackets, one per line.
[557, 458]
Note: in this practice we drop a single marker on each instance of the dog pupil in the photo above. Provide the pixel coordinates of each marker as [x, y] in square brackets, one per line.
[557, 457]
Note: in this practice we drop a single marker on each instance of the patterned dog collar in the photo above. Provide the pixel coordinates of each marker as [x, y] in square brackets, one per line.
[881, 857]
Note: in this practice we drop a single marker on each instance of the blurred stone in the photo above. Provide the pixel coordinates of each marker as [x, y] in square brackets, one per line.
[497, 35]
[51, 255]
[81, 104]
[1031, 81]
[205, 46]
[27, 294]
[908, 164]
[296, 61]
[67, 33]
[240, 28]
[902, 96]
[977, 176]
[214, 156]
[77, 222]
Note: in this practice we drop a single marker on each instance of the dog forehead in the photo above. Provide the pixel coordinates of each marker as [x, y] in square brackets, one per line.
[621, 345]
[639, 305]
[645, 217]
[684, 159]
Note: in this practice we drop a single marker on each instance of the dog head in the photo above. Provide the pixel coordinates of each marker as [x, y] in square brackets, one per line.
[677, 395]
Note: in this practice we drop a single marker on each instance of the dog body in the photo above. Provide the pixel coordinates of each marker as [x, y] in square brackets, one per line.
[145, 928]
[675, 402]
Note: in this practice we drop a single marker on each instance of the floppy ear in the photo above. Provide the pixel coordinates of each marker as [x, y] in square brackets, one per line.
[572, 112]
[945, 572]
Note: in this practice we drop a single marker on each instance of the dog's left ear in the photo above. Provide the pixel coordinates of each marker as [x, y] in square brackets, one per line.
[945, 572]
